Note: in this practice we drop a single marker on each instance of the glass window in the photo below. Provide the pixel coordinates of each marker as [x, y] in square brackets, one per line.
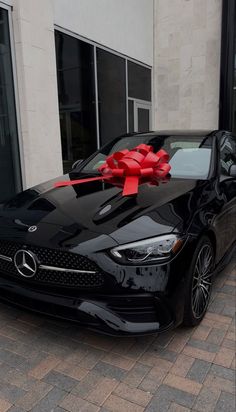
[143, 119]
[131, 116]
[10, 175]
[111, 95]
[139, 79]
[76, 90]
[227, 154]
[234, 90]
[190, 157]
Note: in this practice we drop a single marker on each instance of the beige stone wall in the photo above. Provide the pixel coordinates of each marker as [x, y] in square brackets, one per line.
[33, 27]
[187, 41]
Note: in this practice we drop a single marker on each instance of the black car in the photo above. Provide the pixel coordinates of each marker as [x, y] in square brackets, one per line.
[125, 264]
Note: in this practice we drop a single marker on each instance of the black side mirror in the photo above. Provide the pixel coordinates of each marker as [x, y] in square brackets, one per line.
[232, 171]
[77, 163]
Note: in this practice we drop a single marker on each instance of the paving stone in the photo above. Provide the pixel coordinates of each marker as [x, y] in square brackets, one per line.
[44, 367]
[201, 332]
[10, 392]
[184, 384]
[50, 401]
[100, 393]
[92, 358]
[158, 404]
[225, 403]
[4, 405]
[228, 311]
[153, 379]
[206, 400]
[91, 380]
[182, 365]
[32, 397]
[166, 354]
[117, 404]
[175, 407]
[136, 375]
[110, 371]
[15, 409]
[224, 357]
[216, 336]
[138, 396]
[11, 358]
[199, 370]
[73, 403]
[61, 381]
[121, 361]
[223, 372]
[175, 395]
[204, 345]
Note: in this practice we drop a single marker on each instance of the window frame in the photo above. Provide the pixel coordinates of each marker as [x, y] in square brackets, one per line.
[127, 59]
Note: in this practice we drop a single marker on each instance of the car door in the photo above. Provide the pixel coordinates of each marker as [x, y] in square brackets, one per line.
[227, 188]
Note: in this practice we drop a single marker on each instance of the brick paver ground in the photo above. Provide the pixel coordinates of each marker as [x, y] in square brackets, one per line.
[53, 366]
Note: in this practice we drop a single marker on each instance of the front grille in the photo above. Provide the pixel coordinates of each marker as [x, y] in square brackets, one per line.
[57, 259]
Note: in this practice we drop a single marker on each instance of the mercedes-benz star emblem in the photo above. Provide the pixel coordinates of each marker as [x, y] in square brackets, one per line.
[25, 263]
[32, 229]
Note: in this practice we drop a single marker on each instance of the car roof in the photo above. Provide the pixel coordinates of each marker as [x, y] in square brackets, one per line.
[197, 132]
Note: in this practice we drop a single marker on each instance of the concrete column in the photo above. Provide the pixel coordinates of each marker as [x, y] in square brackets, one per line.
[33, 26]
[187, 42]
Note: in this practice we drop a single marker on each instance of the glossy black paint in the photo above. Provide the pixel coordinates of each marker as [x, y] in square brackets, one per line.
[92, 218]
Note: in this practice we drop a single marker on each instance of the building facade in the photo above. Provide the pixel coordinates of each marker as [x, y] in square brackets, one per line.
[75, 74]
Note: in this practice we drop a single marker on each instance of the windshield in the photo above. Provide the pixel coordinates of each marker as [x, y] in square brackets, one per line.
[190, 156]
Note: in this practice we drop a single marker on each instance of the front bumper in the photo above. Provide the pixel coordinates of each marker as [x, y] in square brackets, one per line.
[111, 314]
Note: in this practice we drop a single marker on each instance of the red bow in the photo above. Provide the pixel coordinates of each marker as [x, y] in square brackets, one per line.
[130, 168]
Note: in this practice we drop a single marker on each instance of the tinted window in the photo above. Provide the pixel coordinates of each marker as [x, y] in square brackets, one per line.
[190, 157]
[131, 116]
[76, 90]
[111, 95]
[227, 154]
[10, 175]
[139, 81]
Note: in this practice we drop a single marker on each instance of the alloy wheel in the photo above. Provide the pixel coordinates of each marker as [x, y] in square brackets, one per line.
[202, 280]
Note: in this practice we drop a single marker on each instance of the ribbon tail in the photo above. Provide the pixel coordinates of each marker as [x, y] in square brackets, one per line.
[79, 181]
[130, 185]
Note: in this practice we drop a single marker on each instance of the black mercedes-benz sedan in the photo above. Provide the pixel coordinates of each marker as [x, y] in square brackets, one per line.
[135, 264]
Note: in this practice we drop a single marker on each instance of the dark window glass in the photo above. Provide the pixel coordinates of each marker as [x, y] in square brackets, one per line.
[10, 176]
[139, 79]
[76, 90]
[143, 120]
[111, 95]
[131, 116]
[190, 156]
[234, 91]
[227, 154]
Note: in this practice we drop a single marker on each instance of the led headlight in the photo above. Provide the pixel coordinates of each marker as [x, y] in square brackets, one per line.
[152, 250]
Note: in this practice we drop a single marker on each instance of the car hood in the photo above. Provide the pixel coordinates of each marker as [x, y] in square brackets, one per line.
[93, 209]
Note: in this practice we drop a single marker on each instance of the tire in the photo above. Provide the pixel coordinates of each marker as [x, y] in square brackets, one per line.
[199, 283]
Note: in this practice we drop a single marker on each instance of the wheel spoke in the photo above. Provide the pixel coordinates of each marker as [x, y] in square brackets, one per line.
[201, 285]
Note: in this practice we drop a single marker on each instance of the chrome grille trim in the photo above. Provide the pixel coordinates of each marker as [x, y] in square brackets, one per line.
[58, 269]
[7, 258]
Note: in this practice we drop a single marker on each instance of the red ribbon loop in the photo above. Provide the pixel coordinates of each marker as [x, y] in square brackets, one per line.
[131, 168]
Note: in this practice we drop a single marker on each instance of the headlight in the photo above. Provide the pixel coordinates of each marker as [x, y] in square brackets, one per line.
[152, 250]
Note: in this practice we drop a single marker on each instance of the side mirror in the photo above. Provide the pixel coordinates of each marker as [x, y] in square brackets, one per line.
[77, 163]
[232, 171]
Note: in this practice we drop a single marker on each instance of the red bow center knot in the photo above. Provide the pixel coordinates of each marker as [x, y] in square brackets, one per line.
[132, 167]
